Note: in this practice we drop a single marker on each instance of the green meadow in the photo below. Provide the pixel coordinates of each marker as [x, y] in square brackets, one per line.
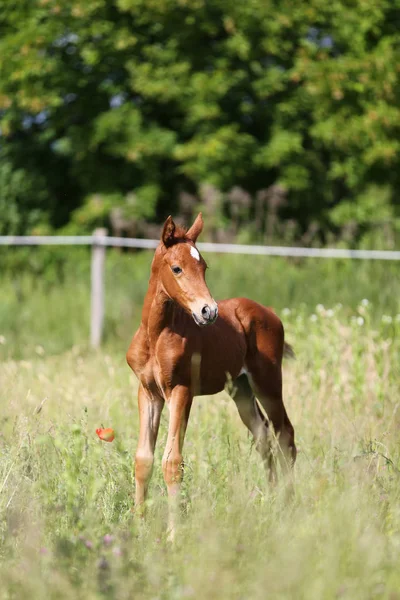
[67, 529]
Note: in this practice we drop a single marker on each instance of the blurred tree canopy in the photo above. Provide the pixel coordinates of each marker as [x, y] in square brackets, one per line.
[150, 106]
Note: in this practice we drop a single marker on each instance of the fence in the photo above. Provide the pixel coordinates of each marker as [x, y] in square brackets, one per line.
[99, 241]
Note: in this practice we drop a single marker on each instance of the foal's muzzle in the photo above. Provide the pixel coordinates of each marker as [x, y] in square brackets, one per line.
[208, 315]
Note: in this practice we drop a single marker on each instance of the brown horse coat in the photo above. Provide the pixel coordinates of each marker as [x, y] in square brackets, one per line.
[187, 344]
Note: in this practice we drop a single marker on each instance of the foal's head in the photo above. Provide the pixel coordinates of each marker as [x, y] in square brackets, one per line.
[182, 272]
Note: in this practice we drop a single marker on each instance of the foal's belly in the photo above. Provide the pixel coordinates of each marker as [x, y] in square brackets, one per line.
[221, 359]
[220, 354]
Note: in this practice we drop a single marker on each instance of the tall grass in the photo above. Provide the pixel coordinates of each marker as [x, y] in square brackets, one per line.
[66, 526]
[46, 308]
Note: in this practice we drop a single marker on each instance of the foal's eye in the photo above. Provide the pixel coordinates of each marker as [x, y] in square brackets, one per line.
[176, 270]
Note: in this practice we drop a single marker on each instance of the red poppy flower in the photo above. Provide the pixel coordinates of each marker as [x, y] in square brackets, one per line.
[107, 435]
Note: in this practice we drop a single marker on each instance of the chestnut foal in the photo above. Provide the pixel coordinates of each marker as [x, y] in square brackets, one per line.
[188, 345]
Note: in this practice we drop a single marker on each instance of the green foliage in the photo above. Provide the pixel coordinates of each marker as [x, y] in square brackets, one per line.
[373, 206]
[93, 213]
[23, 200]
[97, 208]
[115, 99]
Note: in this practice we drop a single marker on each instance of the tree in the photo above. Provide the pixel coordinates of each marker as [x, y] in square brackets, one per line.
[145, 99]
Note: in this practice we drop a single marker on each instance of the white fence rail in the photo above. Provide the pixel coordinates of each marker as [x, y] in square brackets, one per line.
[117, 242]
[99, 241]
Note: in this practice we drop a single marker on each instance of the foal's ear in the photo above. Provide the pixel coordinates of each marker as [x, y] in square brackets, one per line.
[196, 229]
[168, 234]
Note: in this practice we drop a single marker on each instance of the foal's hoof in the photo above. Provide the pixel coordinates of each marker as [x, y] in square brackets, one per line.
[139, 511]
[171, 535]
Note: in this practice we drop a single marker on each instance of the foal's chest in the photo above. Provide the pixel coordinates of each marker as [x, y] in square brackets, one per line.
[167, 364]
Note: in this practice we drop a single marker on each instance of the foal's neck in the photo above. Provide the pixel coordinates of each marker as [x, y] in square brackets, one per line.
[158, 309]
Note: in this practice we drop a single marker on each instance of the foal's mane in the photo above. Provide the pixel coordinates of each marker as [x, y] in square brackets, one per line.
[180, 235]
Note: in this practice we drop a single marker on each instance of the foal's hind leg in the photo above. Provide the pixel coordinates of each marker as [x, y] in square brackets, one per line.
[255, 422]
[266, 381]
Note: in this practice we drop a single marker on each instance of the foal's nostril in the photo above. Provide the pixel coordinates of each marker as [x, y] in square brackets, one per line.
[206, 312]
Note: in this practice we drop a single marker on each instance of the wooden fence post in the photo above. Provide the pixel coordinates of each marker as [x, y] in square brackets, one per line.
[97, 289]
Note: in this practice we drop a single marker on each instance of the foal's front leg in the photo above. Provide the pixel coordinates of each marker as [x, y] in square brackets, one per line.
[180, 402]
[150, 409]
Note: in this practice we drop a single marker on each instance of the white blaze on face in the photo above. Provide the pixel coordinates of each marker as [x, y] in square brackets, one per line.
[194, 253]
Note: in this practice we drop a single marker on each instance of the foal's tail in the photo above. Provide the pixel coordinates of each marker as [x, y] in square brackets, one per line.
[288, 351]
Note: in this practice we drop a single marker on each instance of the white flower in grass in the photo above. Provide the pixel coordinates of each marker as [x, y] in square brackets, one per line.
[360, 321]
[364, 302]
[320, 308]
[286, 312]
[313, 317]
[329, 313]
[2, 339]
[386, 319]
